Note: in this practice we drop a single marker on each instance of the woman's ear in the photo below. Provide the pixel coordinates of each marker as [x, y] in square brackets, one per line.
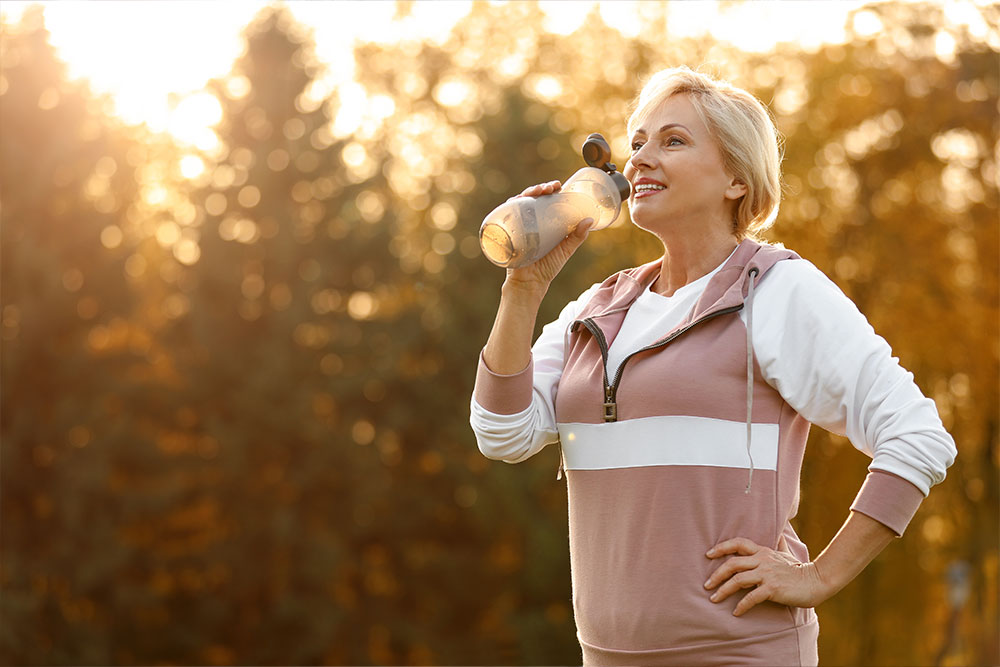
[737, 188]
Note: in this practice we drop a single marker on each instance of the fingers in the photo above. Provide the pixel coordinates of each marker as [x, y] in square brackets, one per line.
[729, 568]
[750, 600]
[576, 238]
[583, 228]
[736, 583]
[738, 573]
[740, 545]
[569, 245]
[541, 189]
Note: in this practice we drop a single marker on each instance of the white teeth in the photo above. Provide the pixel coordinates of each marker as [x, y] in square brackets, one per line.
[646, 187]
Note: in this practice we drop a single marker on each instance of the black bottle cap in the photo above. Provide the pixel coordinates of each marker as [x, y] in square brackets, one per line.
[597, 153]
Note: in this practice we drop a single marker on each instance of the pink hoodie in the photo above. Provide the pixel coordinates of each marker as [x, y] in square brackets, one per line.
[650, 492]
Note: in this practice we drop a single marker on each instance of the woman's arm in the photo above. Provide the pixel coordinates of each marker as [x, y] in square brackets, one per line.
[508, 349]
[819, 352]
[506, 432]
[512, 409]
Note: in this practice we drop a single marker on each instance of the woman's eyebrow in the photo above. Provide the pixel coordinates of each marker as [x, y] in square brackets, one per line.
[663, 129]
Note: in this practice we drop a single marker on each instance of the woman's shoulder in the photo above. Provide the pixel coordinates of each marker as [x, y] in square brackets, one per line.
[797, 290]
[800, 275]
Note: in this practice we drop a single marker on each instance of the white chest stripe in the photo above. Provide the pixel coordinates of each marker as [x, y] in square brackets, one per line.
[667, 441]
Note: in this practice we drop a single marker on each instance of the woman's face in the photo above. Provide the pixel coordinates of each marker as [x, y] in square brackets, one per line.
[679, 181]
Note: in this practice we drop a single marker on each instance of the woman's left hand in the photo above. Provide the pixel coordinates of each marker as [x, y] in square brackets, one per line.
[773, 575]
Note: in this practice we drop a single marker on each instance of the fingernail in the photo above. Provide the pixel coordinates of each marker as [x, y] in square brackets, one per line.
[711, 552]
[707, 582]
[714, 597]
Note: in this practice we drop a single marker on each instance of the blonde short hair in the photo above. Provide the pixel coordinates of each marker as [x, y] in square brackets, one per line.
[742, 127]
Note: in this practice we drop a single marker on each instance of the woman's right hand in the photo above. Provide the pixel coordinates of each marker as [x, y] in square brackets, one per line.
[537, 276]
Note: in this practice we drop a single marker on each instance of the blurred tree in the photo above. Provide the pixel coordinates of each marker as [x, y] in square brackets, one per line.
[283, 351]
[72, 358]
[235, 384]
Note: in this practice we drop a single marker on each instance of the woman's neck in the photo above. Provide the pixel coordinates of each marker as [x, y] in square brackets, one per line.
[689, 258]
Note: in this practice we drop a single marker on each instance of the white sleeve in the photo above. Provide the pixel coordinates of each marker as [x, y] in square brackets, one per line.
[520, 435]
[819, 352]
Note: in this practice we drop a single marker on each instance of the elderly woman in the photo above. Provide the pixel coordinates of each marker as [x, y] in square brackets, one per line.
[681, 393]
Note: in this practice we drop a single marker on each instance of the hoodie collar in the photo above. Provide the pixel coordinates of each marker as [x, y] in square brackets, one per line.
[726, 289]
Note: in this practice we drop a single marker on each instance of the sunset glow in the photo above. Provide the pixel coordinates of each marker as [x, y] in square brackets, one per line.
[245, 293]
[154, 70]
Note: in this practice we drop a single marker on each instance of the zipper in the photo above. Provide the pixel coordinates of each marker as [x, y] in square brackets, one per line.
[610, 408]
[611, 388]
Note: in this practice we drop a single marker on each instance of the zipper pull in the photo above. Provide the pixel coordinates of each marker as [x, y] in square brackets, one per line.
[559, 472]
[610, 407]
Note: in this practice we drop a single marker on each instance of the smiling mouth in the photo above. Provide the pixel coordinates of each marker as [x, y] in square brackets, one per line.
[646, 190]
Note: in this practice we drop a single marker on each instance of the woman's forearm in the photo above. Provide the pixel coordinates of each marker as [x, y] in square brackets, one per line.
[508, 349]
[855, 545]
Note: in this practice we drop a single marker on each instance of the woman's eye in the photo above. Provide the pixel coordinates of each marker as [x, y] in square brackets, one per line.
[675, 141]
[636, 146]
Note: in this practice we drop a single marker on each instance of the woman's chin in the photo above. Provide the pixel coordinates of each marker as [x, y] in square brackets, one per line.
[642, 218]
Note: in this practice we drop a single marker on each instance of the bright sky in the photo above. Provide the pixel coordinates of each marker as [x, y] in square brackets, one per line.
[154, 56]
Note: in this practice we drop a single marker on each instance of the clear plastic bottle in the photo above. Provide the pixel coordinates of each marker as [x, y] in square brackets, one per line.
[524, 229]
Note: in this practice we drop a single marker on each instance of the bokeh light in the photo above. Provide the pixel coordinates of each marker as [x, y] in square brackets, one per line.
[243, 299]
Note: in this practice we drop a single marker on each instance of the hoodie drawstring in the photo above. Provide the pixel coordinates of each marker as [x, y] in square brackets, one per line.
[749, 304]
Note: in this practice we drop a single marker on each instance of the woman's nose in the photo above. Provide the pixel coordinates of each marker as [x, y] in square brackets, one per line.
[641, 158]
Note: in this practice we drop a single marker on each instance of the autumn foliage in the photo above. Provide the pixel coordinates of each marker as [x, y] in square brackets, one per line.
[235, 402]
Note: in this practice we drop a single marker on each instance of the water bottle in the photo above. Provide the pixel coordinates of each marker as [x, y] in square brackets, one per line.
[522, 230]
